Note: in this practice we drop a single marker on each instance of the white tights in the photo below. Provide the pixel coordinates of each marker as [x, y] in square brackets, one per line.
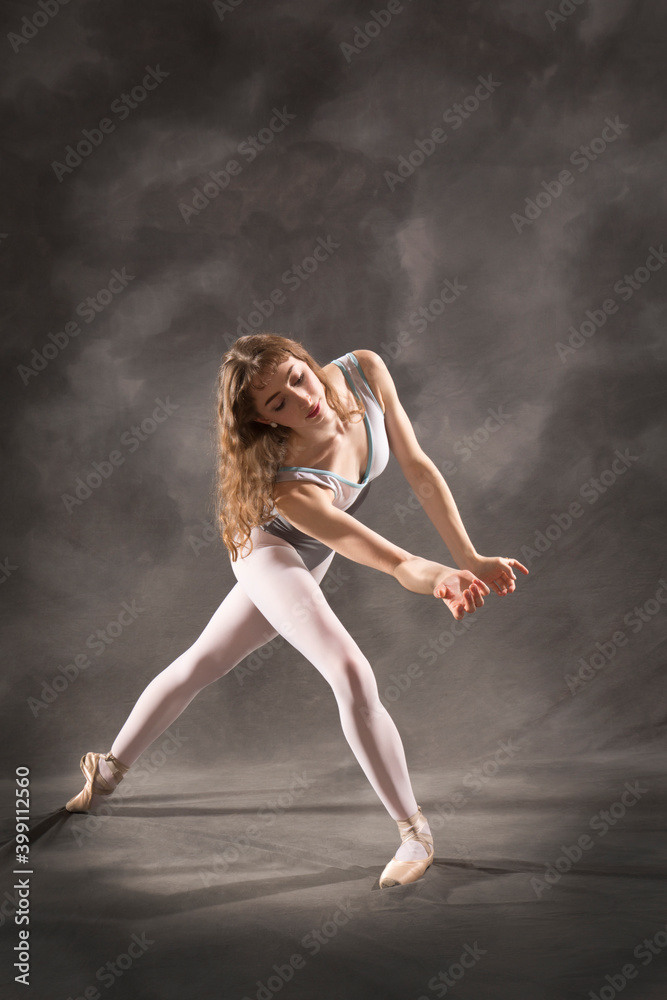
[276, 593]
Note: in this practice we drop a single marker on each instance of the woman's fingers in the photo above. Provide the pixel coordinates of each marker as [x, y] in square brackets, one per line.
[469, 600]
[504, 584]
[473, 597]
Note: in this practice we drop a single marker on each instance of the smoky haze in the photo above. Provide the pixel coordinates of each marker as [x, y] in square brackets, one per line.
[484, 187]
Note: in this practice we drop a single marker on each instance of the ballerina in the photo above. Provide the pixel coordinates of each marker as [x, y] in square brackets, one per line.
[299, 445]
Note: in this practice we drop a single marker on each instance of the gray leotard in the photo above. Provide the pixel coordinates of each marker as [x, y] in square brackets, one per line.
[348, 496]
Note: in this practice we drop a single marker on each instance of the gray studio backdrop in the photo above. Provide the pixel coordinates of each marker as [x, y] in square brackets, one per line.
[473, 190]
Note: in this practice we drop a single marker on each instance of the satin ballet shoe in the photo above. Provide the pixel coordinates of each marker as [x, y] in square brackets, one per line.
[401, 872]
[96, 784]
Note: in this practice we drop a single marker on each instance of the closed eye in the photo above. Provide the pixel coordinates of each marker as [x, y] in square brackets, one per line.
[296, 382]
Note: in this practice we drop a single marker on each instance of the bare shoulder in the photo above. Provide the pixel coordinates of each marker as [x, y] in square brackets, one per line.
[400, 433]
[296, 494]
[377, 375]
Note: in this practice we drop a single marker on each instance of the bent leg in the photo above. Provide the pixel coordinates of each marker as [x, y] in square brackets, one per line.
[275, 578]
[236, 629]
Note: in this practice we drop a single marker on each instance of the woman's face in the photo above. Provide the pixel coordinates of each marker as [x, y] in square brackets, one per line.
[291, 394]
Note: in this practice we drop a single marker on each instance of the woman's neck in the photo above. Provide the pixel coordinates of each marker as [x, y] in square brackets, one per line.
[320, 441]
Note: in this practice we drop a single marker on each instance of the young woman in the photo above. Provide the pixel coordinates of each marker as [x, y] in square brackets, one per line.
[298, 446]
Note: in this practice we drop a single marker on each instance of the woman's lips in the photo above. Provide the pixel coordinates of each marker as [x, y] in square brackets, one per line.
[313, 413]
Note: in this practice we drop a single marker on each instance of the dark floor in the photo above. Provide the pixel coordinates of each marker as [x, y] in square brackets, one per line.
[198, 886]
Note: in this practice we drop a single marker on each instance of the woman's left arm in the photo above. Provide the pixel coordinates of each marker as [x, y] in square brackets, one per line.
[429, 485]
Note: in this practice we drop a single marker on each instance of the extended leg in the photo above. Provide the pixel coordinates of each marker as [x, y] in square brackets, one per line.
[236, 629]
[278, 583]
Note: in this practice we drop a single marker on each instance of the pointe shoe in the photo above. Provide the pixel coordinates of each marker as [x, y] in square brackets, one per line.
[401, 872]
[96, 784]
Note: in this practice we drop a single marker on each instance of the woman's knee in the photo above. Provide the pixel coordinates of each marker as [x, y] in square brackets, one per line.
[354, 682]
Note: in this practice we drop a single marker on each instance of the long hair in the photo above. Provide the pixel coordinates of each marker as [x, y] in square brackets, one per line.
[250, 453]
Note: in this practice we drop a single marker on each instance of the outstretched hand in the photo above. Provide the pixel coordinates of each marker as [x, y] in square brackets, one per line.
[498, 572]
[462, 591]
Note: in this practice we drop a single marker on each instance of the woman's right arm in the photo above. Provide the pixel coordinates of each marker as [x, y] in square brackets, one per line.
[309, 508]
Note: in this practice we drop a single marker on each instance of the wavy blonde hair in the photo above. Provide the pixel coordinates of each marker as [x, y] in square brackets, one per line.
[250, 453]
